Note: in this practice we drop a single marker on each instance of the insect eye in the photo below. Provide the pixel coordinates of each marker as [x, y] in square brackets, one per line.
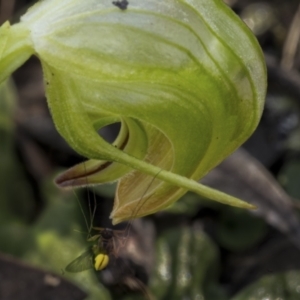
[101, 261]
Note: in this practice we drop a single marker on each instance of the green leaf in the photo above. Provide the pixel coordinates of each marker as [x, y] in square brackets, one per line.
[185, 265]
[238, 230]
[13, 205]
[272, 287]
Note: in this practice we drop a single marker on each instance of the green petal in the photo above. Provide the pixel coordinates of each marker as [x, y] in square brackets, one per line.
[187, 79]
[82, 125]
[15, 48]
[101, 171]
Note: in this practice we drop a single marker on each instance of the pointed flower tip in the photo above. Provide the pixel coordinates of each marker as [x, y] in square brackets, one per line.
[72, 178]
[246, 205]
[63, 182]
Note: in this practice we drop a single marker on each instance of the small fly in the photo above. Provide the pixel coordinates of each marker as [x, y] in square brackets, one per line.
[105, 244]
[103, 253]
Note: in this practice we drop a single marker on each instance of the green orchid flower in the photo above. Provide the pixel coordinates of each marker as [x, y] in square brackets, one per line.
[186, 80]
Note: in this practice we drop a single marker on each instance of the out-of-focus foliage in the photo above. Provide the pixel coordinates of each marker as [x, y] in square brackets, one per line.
[186, 265]
[14, 206]
[289, 177]
[238, 231]
[281, 286]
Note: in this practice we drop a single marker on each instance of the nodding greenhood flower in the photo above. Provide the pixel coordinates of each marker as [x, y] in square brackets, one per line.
[185, 78]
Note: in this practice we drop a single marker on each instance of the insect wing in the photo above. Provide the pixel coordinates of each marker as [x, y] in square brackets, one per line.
[81, 263]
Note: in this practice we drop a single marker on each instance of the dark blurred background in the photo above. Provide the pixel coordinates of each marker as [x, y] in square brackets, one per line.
[196, 249]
